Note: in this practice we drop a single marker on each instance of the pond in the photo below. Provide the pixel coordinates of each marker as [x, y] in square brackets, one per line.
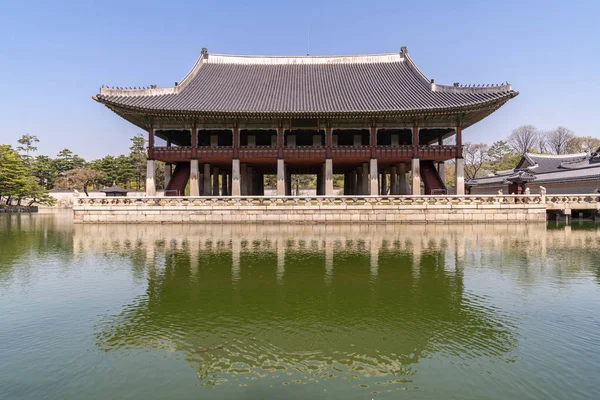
[341, 311]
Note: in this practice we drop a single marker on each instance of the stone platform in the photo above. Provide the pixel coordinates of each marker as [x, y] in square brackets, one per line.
[311, 210]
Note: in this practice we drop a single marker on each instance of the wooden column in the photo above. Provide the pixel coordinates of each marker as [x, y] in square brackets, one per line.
[373, 142]
[280, 142]
[151, 143]
[328, 141]
[415, 141]
[194, 137]
[459, 142]
[236, 142]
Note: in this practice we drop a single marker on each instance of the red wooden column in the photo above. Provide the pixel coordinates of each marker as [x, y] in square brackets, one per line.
[236, 141]
[415, 141]
[280, 142]
[328, 142]
[459, 148]
[194, 136]
[151, 143]
[373, 142]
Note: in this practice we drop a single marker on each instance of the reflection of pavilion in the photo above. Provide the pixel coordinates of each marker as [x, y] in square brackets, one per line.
[360, 300]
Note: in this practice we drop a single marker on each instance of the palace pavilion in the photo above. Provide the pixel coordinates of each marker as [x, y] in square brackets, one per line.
[374, 118]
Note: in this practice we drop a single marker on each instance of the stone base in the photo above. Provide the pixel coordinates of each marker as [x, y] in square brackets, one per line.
[310, 214]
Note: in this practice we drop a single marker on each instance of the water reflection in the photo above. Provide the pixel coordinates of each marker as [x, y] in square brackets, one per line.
[308, 303]
[369, 305]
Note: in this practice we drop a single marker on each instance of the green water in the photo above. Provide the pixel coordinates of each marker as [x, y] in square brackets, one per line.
[259, 312]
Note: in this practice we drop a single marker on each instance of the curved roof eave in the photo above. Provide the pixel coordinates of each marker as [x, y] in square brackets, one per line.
[285, 114]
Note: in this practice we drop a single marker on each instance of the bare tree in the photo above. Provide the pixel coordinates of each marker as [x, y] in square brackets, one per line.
[582, 144]
[524, 139]
[476, 155]
[557, 140]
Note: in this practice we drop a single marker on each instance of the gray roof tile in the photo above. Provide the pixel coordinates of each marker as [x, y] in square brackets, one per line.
[346, 84]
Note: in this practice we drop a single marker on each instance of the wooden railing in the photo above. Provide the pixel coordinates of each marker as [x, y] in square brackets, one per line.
[184, 153]
[437, 152]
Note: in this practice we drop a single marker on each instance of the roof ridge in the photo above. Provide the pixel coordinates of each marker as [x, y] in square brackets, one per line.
[311, 60]
[557, 155]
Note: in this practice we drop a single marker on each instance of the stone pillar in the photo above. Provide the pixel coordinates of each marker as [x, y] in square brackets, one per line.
[243, 178]
[384, 185]
[215, 182]
[374, 175]
[207, 188]
[460, 176]
[416, 177]
[329, 177]
[214, 140]
[249, 181]
[236, 189]
[320, 182]
[229, 184]
[224, 184]
[280, 177]
[393, 180]
[194, 186]
[402, 181]
[261, 185]
[288, 181]
[352, 182]
[168, 173]
[364, 178]
[150, 185]
[442, 172]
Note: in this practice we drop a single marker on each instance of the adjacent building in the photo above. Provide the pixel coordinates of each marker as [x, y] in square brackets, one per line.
[374, 118]
[559, 174]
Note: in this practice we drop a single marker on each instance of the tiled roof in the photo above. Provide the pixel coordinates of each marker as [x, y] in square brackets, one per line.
[542, 163]
[548, 169]
[378, 83]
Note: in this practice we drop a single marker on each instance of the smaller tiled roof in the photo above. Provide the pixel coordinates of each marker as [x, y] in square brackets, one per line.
[520, 176]
[542, 163]
[545, 168]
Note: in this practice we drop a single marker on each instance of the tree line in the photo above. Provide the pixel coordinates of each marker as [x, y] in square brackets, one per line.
[482, 159]
[29, 177]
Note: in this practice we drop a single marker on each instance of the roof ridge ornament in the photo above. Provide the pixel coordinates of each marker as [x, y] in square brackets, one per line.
[204, 53]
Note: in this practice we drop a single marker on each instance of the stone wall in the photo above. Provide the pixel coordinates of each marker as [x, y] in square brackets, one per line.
[312, 210]
[18, 209]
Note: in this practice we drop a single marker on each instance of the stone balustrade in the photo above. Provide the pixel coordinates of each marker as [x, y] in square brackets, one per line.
[573, 201]
[339, 202]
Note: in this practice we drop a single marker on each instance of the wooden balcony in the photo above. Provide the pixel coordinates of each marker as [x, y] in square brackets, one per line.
[437, 153]
[395, 153]
[172, 154]
[309, 154]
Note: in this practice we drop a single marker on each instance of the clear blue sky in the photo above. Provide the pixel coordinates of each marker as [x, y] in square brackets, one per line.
[54, 55]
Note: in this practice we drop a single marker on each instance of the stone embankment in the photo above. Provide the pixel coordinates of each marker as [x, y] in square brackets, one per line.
[18, 209]
[312, 209]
